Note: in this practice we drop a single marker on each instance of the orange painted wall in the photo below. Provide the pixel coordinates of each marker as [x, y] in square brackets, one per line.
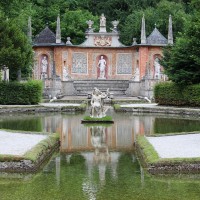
[140, 55]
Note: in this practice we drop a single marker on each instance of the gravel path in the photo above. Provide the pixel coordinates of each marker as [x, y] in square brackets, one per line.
[18, 143]
[177, 146]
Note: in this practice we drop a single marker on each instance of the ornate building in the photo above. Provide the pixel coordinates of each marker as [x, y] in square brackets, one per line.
[102, 58]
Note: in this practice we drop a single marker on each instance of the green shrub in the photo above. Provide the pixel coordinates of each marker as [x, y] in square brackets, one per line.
[192, 95]
[106, 118]
[16, 93]
[169, 93]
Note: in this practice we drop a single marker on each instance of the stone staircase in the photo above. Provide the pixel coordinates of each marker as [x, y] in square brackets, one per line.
[116, 87]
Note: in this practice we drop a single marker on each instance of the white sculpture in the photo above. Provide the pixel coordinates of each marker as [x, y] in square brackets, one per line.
[4, 74]
[157, 68]
[66, 76]
[44, 66]
[102, 67]
[136, 76]
[102, 20]
[98, 110]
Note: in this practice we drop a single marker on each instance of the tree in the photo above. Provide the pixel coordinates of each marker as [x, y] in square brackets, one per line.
[181, 61]
[74, 24]
[15, 49]
[154, 15]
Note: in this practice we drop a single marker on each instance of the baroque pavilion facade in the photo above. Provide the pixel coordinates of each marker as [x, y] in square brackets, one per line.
[67, 63]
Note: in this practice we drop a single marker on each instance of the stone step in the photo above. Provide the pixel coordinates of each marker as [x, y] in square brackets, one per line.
[101, 86]
[116, 87]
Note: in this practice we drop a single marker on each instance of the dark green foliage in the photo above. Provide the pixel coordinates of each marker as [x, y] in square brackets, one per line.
[159, 15]
[181, 61]
[192, 95]
[73, 24]
[75, 13]
[34, 91]
[15, 49]
[173, 94]
[168, 94]
[106, 118]
[15, 93]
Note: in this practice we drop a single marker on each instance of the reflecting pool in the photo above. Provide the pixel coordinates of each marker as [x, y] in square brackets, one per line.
[97, 162]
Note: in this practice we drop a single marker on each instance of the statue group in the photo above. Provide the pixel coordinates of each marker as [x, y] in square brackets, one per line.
[98, 110]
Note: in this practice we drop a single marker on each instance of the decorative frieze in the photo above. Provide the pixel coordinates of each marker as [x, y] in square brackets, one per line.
[79, 63]
[124, 63]
[102, 41]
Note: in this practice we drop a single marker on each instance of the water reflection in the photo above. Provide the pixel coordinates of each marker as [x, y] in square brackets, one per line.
[99, 142]
[77, 137]
[97, 162]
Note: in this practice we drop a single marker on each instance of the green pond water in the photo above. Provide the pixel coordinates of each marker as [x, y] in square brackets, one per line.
[99, 162]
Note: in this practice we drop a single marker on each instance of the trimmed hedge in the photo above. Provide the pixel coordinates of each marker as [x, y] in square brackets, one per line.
[169, 93]
[16, 93]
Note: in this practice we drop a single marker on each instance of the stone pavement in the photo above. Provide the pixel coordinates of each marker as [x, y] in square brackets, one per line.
[16, 143]
[177, 146]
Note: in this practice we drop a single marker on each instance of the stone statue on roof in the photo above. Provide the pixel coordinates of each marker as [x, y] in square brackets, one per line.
[102, 20]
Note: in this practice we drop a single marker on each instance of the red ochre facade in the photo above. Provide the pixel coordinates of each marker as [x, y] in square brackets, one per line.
[61, 56]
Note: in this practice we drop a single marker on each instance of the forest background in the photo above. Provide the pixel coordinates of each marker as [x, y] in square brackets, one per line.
[75, 13]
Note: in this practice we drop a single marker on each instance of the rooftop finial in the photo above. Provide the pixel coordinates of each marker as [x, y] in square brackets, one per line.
[29, 29]
[170, 32]
[143, 31]
[58, 32]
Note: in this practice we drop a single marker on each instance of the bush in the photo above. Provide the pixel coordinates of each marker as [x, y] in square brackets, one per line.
[169, 93]
[192, 95]
[106, 118]
[16, 93]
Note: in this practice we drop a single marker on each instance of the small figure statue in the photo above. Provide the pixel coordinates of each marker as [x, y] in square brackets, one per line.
[98, 110]
[157, 68]
[102, 66]
[102, 20]
[66, 76]
[44, 66]
[4, 73]
[136, 76]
